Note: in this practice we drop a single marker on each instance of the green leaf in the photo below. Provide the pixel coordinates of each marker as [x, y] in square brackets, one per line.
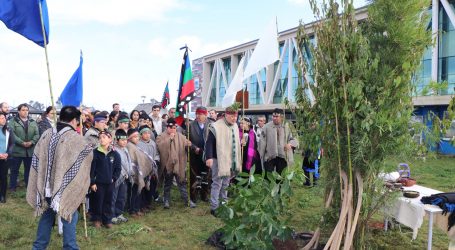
[231, 213]
[275, 190]
[290, 175]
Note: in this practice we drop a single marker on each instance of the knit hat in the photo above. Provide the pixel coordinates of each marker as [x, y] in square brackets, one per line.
[100, 117]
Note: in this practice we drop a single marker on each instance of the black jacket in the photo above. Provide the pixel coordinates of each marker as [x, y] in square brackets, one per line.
[198, 136]
[105, 168]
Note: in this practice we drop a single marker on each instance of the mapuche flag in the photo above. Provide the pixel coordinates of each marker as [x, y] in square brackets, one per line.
[186, 88]
[165, 99]
[24, 17]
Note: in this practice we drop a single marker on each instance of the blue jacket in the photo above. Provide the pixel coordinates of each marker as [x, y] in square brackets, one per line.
[106, 167]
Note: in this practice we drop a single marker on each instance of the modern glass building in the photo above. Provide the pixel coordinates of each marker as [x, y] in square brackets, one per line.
[272, 84]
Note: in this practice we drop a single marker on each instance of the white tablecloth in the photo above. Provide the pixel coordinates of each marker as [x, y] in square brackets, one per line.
[410, 212]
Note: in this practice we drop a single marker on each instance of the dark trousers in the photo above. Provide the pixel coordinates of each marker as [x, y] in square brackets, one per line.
[134, 199]
[101, 203]
[277, 164]
[181, 184]
[3, 177]
[199, 178]
[15, 165]
[147, 196]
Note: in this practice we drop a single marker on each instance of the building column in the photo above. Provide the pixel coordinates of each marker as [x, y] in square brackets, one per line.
[435, 34]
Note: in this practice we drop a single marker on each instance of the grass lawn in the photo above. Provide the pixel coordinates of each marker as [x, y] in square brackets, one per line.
[185, 228]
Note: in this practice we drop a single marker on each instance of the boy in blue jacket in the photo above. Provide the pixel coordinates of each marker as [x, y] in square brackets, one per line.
[105, 170]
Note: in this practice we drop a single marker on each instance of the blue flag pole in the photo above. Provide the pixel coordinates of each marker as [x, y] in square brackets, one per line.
[47, 58]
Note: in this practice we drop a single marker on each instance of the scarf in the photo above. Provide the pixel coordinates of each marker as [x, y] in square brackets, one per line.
[251, 153]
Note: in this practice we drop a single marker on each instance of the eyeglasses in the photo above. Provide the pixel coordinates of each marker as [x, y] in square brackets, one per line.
[172, 127]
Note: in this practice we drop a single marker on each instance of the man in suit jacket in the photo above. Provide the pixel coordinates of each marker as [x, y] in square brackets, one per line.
[199, 174]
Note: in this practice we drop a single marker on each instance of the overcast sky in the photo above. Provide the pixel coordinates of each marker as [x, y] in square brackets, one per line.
[131, 48]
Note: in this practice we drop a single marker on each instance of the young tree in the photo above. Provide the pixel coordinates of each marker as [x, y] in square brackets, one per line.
[361, 112]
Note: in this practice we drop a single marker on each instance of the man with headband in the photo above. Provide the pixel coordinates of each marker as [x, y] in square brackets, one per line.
[222, 153]
[199, 173]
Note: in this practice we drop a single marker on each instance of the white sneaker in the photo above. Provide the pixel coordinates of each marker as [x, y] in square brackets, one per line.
[115, 220]
[121, 218]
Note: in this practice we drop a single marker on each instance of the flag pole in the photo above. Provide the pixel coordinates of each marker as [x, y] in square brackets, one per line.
[47, 59]
[81, 127]
[188, 170]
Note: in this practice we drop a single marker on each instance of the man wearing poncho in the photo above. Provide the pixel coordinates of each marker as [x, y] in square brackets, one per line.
[59, 178]
[173, 154]
[222, 154]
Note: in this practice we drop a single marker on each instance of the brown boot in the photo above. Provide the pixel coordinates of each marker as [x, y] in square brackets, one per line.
[97, 224]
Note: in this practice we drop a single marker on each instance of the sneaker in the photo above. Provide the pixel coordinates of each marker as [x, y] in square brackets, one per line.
[166, 204]
[192, 204]
[212, 212]
[157, 198]
[121, 218]
[115, 220]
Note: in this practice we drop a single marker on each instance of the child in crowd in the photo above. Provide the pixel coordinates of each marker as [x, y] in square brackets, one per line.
[105, 170]
[119, 195]
[148, 146]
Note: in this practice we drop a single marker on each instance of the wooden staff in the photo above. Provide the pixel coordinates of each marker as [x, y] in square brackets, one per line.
[81, 127]
[47, 59]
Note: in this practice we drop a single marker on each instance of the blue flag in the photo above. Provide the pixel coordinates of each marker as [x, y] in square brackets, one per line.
[23, 17]
[72, 94]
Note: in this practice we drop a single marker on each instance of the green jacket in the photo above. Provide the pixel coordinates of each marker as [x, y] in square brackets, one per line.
[17, 129]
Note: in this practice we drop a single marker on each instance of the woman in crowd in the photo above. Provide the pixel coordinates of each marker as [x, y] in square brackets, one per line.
[134, 117]
[250, 147]
[6, 146]
[112, 120]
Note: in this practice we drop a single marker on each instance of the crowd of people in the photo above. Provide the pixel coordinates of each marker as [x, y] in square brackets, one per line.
[119, 164]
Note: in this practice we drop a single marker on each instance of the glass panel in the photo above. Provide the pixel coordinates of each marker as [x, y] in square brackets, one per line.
[212, 99]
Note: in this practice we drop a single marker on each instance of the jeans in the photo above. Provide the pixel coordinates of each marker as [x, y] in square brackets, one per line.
[119, 199]
[43, 234]
[219, 187]
[15, 165]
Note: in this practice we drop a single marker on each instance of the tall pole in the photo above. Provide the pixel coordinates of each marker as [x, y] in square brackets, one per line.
[81, 127]
[47, 58]
[188, 170]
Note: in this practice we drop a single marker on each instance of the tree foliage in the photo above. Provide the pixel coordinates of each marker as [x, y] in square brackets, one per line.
[362, 89]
